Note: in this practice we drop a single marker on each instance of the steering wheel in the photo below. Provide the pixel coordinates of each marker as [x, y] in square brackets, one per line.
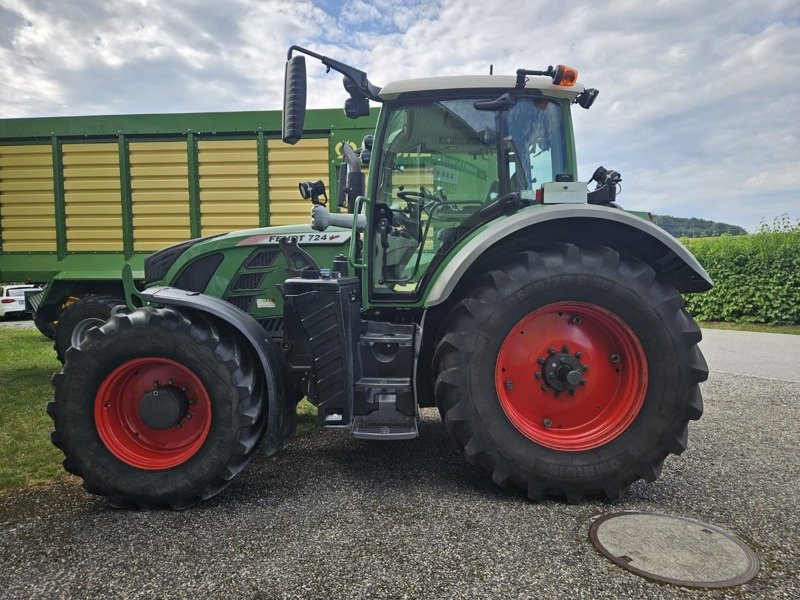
[422, 194]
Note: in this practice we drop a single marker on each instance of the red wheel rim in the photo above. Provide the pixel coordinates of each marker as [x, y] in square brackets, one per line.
[121, 426]
[571, 376]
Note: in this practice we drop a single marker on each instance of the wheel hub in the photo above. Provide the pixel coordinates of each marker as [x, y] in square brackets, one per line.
[164, 407]
[149, 424]
[545, 385]
[562, 371]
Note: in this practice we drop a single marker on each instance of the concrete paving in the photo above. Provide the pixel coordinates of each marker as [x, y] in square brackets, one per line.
[333, 517]
[768, 355]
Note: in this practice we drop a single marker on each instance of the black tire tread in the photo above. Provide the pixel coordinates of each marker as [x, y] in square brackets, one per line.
[249, 385]
[459, 334]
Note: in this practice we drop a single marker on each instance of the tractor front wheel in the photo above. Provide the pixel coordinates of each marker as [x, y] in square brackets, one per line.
[570, 371]
[158, 408]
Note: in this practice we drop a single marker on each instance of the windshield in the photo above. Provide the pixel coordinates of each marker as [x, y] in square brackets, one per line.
[444, 161]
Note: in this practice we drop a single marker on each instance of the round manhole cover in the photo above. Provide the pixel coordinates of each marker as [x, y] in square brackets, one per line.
[674, 549]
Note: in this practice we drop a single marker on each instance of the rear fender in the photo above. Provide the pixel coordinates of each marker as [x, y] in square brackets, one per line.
[578, 224]
[279, 414]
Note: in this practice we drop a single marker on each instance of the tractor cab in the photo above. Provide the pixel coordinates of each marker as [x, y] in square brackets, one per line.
[453, 153]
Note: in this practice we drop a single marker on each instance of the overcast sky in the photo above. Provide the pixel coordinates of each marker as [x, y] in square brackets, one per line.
[699, 104]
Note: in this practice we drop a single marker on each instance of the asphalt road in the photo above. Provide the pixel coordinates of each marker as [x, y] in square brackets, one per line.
[333, 517]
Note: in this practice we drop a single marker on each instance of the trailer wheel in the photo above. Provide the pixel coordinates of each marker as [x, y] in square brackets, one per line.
[158, 409]
[570, 371]
[79, 317]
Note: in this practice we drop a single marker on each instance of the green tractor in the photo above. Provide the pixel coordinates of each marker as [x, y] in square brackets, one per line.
[473, 274]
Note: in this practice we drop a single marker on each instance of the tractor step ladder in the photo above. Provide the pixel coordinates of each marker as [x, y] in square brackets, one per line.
[385, 423]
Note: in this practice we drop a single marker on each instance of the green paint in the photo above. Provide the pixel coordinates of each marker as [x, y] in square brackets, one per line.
[125, 195]
[194, 186]
[58, 197]
[262, 151]
[317, 121]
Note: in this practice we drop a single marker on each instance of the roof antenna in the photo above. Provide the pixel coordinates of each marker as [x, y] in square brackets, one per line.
[491, 69]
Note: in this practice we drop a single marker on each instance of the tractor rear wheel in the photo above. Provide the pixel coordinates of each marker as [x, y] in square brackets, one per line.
[570, 371]
[158, 408]
[79, 317]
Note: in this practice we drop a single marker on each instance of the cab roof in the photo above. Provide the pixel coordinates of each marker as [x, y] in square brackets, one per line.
[394, 90]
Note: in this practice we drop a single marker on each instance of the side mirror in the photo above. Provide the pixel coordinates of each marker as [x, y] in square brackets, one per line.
[294, 99]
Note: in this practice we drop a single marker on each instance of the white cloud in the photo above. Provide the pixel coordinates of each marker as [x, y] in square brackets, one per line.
[698, 106]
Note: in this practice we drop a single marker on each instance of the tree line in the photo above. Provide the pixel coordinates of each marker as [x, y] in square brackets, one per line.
[694, 227]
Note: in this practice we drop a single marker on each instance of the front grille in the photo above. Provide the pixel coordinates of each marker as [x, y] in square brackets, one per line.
[241, 302]
[157, 264]
[248, 281]
[195, 277]
[262, 258]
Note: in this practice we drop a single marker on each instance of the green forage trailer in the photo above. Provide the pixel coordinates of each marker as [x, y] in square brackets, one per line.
[81, 196]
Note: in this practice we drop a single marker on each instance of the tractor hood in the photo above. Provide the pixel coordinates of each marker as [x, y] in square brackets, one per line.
[167, 266]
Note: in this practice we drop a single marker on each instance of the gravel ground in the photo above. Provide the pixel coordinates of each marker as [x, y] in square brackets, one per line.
[16, 323]
[334, 517]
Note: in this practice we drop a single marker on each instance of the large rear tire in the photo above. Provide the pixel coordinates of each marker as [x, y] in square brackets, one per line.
[79, 317]
[570, 371]
[158, 409]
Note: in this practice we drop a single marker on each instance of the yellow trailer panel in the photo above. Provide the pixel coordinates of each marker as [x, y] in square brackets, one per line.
[92, 197]
[159, 194]
[27, 202]
[308, 159]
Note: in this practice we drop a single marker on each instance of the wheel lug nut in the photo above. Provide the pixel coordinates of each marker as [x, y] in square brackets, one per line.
[614, 358]
[557, 394]
[551, 351]
[579, 355]
[509, 385]
[585, 368]
[191, 400]
[582, 382]
[544, 387]
[571, 392]
[179, 425]
[547, 422]
[540, 361]
[190, 415]
[538, 375]
[564, 348]
[575, 320]
[171, 381]
[156, 383]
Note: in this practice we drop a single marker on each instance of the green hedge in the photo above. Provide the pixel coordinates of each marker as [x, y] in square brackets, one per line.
[756, 277]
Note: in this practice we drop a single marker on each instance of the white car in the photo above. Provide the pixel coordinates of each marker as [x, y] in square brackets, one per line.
[12, 298]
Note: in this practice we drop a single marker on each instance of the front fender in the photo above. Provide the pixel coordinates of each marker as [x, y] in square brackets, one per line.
[581, 223]
[279, 421]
